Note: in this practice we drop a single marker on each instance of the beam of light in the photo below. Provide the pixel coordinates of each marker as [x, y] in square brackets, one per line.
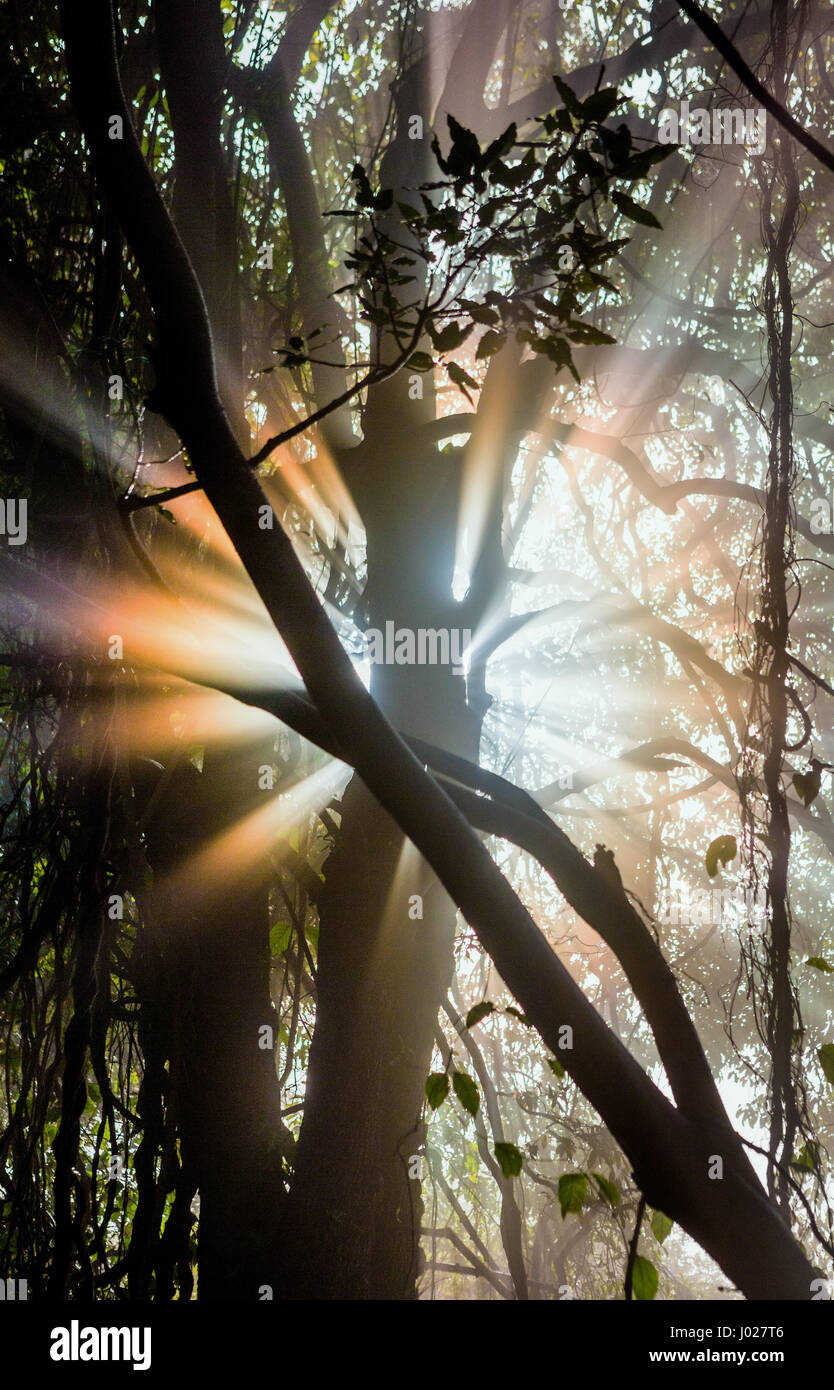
[314, 484]
[482, 481]
[202, 641]
[240, 855]
[334, 519]
[33, 384]
[482, 468]
[160, 717]
[393, 919]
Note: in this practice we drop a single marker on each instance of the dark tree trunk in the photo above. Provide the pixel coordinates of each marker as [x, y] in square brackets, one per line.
[386, 931]
[208, 986]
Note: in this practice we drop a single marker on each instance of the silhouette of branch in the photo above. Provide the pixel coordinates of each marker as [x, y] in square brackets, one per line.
[733, 58]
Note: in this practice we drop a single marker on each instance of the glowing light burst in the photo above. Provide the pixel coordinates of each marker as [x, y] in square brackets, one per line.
[162, 716]
[240, 853]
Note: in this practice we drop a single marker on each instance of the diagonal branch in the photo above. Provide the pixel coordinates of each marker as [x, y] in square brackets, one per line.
[733, 59]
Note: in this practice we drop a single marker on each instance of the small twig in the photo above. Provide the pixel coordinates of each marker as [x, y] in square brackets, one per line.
[632, 1248]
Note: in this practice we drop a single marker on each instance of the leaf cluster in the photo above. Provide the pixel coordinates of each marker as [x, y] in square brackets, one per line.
[527, 212]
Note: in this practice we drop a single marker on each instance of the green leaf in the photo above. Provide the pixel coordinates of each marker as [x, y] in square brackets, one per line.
[635, 211]
[826, 1061]
[661, 1225]
[820, 964]
[437, 1088]
[722, 850]
[466, 1091]
[572, 1191]
[807, 1157]
[643, 1280]
[556, 1067]
[509, 1158]
[279, 937]
[516, 1013]
[479, 1011]
[609, 1190]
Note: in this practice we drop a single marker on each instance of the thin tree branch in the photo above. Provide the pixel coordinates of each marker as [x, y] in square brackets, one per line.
[632, 1248]
[733, 58]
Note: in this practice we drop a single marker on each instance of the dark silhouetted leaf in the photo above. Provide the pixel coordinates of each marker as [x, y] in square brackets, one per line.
[490, 343]
[635, 211]
[462, 380]
[478, 1012]
[499, 147]
[569, 97]
[599, 105]
[826, 1061]
[587, 333]
[420, 362]
[480, 313]
[450, 337]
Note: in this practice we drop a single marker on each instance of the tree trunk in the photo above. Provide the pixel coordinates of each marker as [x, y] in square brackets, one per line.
[386, 930]
[208, 984]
